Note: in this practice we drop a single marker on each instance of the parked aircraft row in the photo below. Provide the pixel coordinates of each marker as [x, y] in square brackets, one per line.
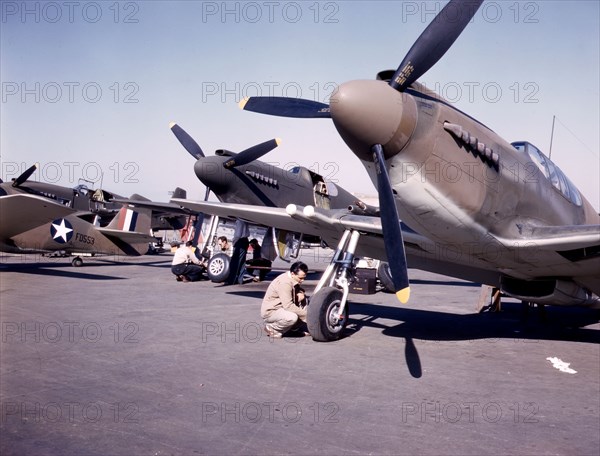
[534, 239]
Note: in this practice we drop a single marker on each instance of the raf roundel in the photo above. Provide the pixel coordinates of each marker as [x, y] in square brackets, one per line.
[61, 231]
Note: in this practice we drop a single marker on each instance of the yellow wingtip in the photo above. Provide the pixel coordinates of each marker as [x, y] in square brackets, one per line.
[243, 102]
[403, 295]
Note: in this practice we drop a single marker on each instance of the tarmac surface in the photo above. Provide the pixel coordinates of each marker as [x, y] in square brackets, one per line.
[117, 358]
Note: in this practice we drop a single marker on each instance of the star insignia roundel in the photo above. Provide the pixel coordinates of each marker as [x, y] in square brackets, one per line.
[61, 231]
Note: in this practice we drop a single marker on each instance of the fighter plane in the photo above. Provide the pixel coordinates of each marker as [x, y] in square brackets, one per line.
[42, 218]
[507, 217]
[242, 178]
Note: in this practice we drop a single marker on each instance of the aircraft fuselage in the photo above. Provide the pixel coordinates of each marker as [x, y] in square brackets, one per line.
[476, 196]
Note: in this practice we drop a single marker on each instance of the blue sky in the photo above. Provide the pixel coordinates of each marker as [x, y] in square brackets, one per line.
[89, 88]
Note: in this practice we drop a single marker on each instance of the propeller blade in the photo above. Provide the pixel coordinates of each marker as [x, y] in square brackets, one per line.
[392, 232]
[252, 153]
[286, 107]
[186, 141]
[435, 40]
[26, 175]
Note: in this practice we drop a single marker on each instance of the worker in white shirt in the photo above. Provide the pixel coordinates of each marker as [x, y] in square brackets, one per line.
[186, 266]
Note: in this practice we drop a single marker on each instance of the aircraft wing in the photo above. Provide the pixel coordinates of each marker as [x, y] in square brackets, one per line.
[561, 238]
[21, 213]
[564, 251]
[551, 251]
[329, 225]
[165, 208]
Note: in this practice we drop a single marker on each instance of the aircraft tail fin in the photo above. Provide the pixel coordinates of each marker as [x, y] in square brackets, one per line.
[132, 220]
[130, 230]
[138, 197]
[179, 193]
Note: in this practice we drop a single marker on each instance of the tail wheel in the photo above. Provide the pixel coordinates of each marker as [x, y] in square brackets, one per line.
[218, 267]
[322, 321]
[77, 262]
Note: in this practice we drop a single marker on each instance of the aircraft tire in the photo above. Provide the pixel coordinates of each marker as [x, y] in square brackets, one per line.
[385, 277]
[319, 320]
[218, 267]
[77, 262]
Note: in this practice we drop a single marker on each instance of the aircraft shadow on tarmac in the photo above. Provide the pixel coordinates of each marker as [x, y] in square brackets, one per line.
[513, 322]
[556, 323]
[566, 324]
[59, 268]
[63, 270]
[450, 282]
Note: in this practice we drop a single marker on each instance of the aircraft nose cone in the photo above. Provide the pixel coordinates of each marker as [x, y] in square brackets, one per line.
[212, 174]
[371, 112]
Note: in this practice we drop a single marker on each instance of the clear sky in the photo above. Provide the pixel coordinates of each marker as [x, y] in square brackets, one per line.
[89, 88]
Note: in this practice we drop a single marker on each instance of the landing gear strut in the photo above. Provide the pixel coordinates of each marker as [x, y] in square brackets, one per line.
[328, 310]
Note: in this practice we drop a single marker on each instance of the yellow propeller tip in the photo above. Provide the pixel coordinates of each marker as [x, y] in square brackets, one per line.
[278, 141]
[172, 124]
[243, 102]
[403, 295]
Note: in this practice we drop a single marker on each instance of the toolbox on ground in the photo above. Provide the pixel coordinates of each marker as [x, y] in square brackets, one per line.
[366, 281]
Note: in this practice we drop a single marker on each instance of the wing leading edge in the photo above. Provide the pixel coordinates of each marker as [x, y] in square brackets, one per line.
[21, 213]
[547, 252]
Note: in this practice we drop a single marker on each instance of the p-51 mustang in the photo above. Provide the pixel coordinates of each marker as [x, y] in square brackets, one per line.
[44, 218]
[242, 178]
[507, 217]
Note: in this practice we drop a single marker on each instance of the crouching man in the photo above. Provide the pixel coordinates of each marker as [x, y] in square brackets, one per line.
[185, 265]
[285, 304]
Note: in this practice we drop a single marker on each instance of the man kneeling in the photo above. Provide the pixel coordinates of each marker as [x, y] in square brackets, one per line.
[185, 265]
[284, 305]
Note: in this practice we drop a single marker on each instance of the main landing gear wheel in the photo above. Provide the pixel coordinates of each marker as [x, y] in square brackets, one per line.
[385, 277]
[77, 262]
[322, 321]
[218, 267]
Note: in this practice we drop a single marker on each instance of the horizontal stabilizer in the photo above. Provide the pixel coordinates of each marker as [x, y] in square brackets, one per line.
[130, 242]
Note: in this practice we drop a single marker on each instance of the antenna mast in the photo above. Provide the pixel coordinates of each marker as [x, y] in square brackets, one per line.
[551, 137]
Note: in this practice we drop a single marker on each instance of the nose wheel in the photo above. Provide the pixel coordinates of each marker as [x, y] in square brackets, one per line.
[325, 323]
[327, 313]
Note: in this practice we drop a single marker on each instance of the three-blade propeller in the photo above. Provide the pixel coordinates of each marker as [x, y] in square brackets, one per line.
[431, 45]
[243, 158]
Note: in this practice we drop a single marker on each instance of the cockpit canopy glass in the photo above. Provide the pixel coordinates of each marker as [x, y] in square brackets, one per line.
[550, 171]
